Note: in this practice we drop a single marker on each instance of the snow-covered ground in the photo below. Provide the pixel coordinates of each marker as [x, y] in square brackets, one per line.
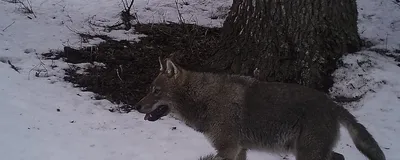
[45, 118]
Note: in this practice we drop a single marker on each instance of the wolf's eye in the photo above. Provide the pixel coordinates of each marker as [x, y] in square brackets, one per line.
[156, 90]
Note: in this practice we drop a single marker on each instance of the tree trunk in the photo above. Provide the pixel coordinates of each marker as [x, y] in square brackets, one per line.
[295, 41]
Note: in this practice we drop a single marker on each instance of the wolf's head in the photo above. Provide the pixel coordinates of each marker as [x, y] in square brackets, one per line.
[161, 97]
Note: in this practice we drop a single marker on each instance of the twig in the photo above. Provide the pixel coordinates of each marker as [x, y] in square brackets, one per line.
[397, 2]
[13, 67]
[8, 26]
[256, 73]
[181, 20]
[126, 7]
[387, 35]
[126, 16]
[125, 4]
[118, 75]
[28, 7]
[137, 18]
[41, 64]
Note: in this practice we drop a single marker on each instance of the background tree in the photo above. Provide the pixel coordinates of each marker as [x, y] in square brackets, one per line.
[296, 41]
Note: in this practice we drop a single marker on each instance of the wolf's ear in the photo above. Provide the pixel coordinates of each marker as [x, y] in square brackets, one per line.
[172, 68]
[162, 67]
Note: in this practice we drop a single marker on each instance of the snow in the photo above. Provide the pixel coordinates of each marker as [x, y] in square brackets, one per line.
[32, 128]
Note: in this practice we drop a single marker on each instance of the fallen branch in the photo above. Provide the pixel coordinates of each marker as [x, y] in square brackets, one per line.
[343, 99]
[13, 67]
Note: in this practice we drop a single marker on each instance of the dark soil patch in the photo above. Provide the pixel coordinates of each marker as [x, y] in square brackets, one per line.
[131, 66]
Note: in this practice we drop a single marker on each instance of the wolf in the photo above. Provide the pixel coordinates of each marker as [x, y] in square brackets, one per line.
[239, 113]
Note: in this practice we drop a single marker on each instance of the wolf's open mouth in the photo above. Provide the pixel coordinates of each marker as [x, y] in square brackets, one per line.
[157, 113]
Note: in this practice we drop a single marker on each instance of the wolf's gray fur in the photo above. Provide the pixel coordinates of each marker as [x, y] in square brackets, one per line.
[237, 113]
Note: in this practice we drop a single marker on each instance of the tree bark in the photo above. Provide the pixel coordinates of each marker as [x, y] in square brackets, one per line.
[294, 41]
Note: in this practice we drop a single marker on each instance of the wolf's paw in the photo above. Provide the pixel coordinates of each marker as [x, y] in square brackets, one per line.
[208, 157]
[219, 158]
[211, 157]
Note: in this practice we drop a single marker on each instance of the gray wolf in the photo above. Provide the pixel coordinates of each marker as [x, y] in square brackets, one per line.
[239, 113]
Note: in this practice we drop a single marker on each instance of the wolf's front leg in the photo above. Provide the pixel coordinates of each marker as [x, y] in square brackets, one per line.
[227, 151]
[210, 157]
[242, 154]
[207, 157]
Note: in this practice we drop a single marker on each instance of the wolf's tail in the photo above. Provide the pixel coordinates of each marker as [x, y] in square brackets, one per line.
[363, 140]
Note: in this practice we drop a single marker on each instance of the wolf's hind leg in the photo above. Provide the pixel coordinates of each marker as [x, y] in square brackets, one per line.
[316, 144]
[227, 154]
[226, 150]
